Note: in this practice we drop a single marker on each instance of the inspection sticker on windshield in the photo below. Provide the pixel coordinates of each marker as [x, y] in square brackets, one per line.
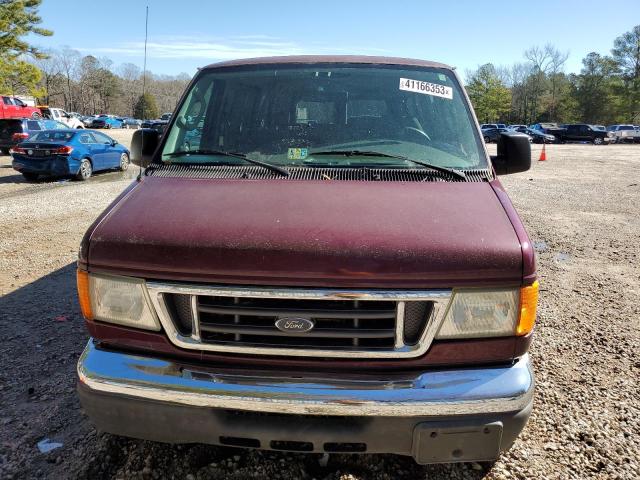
[297, 153]
[427, 88]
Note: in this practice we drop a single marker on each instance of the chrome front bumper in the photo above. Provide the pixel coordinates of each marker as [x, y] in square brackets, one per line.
[438, 393]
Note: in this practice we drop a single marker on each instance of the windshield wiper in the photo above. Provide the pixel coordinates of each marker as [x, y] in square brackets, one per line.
[241, 156]
[369, 153]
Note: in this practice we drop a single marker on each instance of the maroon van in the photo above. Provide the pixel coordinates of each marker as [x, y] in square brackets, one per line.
[318, 257]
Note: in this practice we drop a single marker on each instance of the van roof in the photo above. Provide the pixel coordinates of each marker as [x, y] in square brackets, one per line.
[311, 59]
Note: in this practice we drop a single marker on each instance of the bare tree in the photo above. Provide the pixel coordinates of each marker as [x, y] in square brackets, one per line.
[69, 60]
[555, 71]
[51, 75]
[517, 79]
[540, 60]
[131, 78]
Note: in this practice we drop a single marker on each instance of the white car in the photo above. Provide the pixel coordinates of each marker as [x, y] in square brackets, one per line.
[623, 133]
[62, 116]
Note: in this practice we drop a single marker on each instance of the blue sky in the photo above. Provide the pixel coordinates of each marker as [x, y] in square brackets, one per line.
[186, 34]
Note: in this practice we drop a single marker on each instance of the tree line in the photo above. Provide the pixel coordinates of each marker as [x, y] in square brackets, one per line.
[88, 85]
[537, 89]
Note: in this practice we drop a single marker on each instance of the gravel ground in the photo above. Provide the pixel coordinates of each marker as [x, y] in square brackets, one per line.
[581, 209]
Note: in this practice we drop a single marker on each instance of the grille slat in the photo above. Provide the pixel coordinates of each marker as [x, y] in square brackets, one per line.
[360, 314]
[316, 332]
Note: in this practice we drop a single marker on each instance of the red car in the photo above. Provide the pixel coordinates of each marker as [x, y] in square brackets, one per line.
[334, 267]
[12, 107]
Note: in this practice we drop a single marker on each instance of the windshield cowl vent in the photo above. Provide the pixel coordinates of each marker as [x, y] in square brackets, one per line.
[363, 174]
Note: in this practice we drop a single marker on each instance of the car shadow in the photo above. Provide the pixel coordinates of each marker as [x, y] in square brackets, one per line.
[103, 176]
[44, 334]
[16, 178]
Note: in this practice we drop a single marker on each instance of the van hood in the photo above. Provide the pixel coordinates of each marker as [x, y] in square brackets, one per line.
[309, 233]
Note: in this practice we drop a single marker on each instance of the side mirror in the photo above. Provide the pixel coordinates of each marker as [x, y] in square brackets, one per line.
[514, 154]
[142, 151]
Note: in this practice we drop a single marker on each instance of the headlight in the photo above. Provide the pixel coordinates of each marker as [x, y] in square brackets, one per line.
[121, 300]
[478, 313]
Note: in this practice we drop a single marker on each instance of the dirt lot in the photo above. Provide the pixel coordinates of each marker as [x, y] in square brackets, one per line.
[581, 209]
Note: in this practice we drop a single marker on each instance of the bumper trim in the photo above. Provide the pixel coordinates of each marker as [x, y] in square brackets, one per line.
[435, 393]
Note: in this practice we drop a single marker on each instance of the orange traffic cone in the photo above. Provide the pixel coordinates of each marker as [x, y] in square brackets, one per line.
[543, 154]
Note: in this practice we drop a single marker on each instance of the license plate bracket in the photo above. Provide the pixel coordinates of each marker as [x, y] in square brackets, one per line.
[437, 442]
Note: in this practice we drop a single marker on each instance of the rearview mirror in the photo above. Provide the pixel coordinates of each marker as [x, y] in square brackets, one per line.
[514, 154]
[143, 145]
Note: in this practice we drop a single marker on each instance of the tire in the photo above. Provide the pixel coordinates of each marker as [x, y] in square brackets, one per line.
[107, 125]
[36, 115]
[30, 176]
[4, 151]
[124, 162]
[85, 171]
[487, 140]
[79, 127]
[597, 141]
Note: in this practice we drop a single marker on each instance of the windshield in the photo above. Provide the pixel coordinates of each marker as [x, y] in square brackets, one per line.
[284, 114]
[52, 136]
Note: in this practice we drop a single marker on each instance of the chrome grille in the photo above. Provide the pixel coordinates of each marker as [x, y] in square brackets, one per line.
[346, 323]
[337, 323]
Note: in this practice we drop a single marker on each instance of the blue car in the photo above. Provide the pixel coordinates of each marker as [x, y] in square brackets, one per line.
[106, 121]
[68, 152]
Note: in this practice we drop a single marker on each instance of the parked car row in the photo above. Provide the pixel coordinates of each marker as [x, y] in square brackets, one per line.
[158, 124]
[562, 133]
[110, 121]
[13, 107]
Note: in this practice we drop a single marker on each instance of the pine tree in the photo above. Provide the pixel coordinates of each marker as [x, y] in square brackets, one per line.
[146, 107]
[19, 18]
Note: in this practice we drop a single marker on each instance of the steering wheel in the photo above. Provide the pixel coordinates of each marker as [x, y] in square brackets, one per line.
[417, 130]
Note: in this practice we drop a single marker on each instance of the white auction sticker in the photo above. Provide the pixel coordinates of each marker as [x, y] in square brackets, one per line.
[427, 88]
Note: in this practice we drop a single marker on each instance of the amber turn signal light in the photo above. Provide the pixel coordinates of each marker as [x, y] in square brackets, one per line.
[83, 294]
[528, 305]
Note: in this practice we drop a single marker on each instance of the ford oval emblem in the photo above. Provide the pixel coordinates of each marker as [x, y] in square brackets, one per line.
[294, 324]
